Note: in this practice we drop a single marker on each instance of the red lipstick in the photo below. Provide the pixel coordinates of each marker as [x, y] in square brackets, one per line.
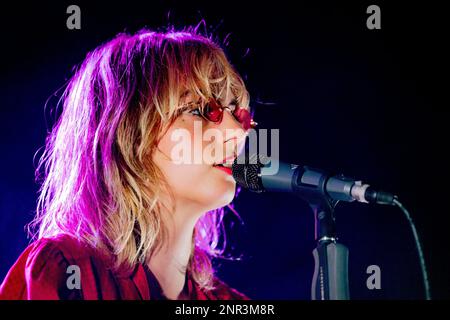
[225, 169]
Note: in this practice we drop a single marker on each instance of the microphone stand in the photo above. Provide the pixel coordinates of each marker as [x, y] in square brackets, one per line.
[322, 192]
[330, 279]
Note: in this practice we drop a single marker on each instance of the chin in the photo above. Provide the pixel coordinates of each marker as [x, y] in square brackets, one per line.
[222, 195]
[229, 196]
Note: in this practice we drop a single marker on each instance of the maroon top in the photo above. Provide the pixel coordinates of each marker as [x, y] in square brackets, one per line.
[41, 273]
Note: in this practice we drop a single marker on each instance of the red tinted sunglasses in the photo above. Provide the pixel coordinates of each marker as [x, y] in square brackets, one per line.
[213, 111]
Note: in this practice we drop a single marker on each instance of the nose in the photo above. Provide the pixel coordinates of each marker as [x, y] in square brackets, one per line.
[233, 132]
[230, 121]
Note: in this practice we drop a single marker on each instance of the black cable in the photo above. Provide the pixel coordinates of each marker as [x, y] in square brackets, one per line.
[419, 249]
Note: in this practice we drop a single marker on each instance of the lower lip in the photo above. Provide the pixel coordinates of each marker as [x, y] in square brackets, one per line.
[225, 169]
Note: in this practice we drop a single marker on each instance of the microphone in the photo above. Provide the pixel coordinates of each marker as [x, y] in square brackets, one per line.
[315, 186]
[311, 184]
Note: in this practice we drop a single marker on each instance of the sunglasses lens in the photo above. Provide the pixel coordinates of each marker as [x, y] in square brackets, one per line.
[213, 112]
[244, 117]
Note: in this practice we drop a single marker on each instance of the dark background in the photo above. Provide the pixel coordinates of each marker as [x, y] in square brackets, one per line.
[367, 103]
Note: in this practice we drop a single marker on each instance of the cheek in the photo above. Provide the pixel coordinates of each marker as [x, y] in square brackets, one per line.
[209, 187]
[200, 183]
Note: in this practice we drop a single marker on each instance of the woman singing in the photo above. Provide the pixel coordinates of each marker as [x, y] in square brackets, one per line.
[118, 217]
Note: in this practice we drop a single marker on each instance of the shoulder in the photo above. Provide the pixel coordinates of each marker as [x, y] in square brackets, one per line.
[41, 270]
[61, 250]
[222, 291]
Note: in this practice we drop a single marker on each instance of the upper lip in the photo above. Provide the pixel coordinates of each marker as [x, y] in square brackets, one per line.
[226, 160]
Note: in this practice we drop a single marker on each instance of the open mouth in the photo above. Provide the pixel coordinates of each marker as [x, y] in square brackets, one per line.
[226, 167]
[226, 164]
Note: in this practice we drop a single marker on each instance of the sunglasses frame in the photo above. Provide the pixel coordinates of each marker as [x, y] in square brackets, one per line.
[249, 124]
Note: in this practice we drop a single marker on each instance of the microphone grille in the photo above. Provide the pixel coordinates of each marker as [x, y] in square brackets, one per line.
[246, 172]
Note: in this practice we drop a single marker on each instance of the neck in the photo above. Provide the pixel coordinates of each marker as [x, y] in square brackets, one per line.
[169, 264]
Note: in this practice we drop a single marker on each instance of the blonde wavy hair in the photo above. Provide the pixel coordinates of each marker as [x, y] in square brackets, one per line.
[99, 183]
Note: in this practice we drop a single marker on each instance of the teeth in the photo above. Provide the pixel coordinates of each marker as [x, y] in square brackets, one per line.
[227, 165]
